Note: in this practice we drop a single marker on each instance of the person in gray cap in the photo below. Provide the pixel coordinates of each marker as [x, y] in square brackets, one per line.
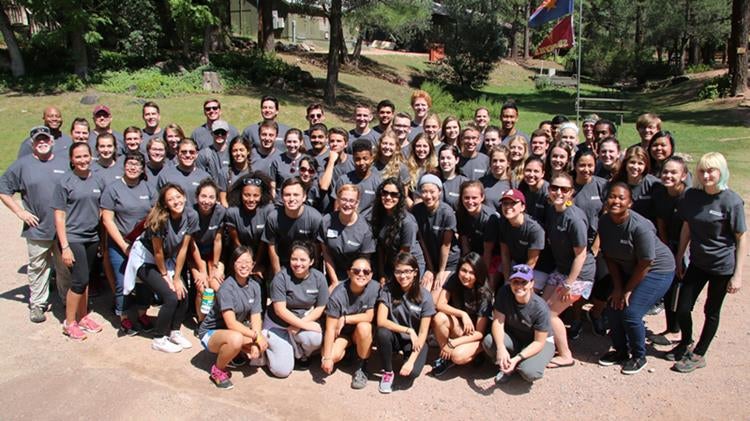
[35, 176]
[202, 134]
[215, 158]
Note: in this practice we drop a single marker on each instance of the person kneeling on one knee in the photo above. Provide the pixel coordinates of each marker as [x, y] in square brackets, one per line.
[520, 340]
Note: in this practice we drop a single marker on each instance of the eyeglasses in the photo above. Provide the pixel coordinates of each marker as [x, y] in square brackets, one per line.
[252, 182]
[348, 201]
[391, 194]
[133, 164]
[403, 272]
[308, 170]
[189, 152]
[563, 189]
[361, 271]
[213, 108]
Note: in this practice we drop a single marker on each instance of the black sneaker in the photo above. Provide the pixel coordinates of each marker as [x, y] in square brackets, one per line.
[634, 365]
[574, 331]
[676, 353]
[237, 361]
[660, 339]
[613, 357]
[440, 366]
[302, 364]
[502, 378]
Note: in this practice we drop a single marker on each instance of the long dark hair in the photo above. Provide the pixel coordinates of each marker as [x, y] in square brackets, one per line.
[481, 286]
[391, 244]
[414, 293]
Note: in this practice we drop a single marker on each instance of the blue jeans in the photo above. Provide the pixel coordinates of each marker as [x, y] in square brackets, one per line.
[119, 262]
[627, 329]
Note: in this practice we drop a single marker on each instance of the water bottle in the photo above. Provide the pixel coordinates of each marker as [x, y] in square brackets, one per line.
[208, 300]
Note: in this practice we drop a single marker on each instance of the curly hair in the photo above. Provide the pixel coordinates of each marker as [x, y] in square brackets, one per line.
[257, 178]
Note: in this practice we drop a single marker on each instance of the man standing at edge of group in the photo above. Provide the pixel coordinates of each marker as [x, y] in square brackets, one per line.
[203, 135]
[36, 176]
[52, 119]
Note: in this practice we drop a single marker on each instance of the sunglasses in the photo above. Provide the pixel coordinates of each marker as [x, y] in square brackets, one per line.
[521, 269]
[361, 271]
[188, 152]
[307, 170]
[563, 189]
[509, 203]
[391, 194]
[214, 108]
[221, 133]
[252, 182]
[315, 115]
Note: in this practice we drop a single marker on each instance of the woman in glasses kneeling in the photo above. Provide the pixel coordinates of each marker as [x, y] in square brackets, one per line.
[349, 315]
[521, 338]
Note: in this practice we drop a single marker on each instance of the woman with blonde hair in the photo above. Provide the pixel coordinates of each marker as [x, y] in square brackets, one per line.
[519, 151]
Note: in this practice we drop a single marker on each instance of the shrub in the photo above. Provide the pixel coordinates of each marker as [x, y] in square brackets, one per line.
[698, 68]
[152, 83]
[543, 83]
[717, 87]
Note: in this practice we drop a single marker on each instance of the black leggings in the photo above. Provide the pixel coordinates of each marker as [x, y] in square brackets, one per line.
[172, 310]
[390, 342]
[85, 258]
[692, 285]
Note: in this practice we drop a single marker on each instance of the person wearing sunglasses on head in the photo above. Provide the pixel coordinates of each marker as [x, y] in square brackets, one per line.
[349, 315]
[521, 340]
[344, 235]
[203, 134]
[185, 174]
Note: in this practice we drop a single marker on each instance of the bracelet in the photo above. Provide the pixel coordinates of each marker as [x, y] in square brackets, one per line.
[521, 357]
[66, 247]
[407, 330]
[326, 358]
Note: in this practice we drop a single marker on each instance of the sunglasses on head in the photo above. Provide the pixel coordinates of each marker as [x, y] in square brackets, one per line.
[521, 269]
[252, 182]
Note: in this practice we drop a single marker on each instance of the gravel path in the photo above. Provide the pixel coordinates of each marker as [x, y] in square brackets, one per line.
[47, 376]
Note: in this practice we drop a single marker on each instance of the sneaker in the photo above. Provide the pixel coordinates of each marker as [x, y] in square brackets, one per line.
[613, 357]
[634, 365]
[237, 361]
[501, 378]
[220, 378]
[676, 353]
[146, 323]
[302, 364]
[440, 366]
[36, 314]
[176, 338]
[656, 309]
[359, 379]
[386, 382]
[163, 344]
[689, 363]
[89, 325]
[127, 328]
[574, 331]
[660, 339]
[73, 331]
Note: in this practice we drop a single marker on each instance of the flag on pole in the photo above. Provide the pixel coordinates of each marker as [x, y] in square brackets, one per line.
[550, 10]
[560, 37]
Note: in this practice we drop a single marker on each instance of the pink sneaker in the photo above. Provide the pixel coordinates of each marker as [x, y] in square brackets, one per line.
[89, 325]
[73, 331]
[220, 378]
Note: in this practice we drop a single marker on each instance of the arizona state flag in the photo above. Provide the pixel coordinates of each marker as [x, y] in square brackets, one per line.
[550, 10]
[560, 37]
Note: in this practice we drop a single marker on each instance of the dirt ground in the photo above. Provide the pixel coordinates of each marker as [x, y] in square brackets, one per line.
[47, 376]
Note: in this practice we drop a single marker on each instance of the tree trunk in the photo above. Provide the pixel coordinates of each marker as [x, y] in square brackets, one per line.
[343, 51]
[526, 35]
[80, 57]
[17, 66]
[266, 39]
[738, 41]
[357, 53]
[168, 25]
[334, 47]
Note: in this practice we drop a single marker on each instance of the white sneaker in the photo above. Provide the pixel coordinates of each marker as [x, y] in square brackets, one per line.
[163, 344]
[176, 338]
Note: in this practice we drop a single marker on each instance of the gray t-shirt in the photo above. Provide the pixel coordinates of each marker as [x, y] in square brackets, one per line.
[528, 236]
[407, 237]
[172, 233]
[282, 168]
[590, 199]
[244, 301]
[665, 208]
[493, 190]
[403, 311]
[262, 163]
[189, 181]
[522, 320]
[634, 240]
[566, 230]
[300, 295]
[79, 198]
[479, 229]
[345, 243]
[215, 163]
[208, 228]
[281, 230]
[452, 190]
[36, 181]
[476, 167]
[205, 138]
[110, 174]
[477, 302]
[432, 227]
[368, 187]
[251, 133]
[372, 136]
[129, 204]
[344, 302]
[714, 220]
[119, 141]
[642, 200]
[537, 202]
[249, 225]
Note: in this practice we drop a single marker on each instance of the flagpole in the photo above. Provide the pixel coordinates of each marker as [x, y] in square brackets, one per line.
[578, 66]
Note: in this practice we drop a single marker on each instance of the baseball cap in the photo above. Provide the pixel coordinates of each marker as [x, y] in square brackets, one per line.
[39, 131]
[99, 108]
[219, 125]
[514, 195]
[522, 271]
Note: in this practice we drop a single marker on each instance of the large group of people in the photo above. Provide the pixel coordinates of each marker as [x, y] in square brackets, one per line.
[289, 245]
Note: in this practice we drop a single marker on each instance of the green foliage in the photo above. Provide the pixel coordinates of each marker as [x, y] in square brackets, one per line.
[50, 84]
[191, 18]
[402, 20]
[715, 88]
[698, 68]
[473, 44]
[543, 83]
[445, 103]
[254, 67]
[152, 83]
[37, 55]
[135, 31]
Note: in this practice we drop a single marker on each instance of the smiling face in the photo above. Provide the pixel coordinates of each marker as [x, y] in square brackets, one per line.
[618, 201]
[608, 154]
[499, 165]
[212, 111]
[466, 276]
[558, 158]
[533, 173]
[348, 201]
[293, 197]
[133, 141]
[602, 131]
[431, 128]
[267, 137]
[362, 117]
[80, 159]
[521, 288]
[52, 118]
[420, 108]
[362, 162]
[79, 133]
[482, 118]
[492, 138]
[151, 117]
[317, 141]
[207, 200]
[336, 142]
[360, 274]
[251, 196]
[472, 198]
[560, 191]
[661, 149]
[239, 153]
[709, 178]
[133, 169]
[306, 171]
[539, 145]
[635, 168]
[588, 130]
[243, 266]
[105, 147]
[405, 275]
[156, 152]
[421, 149]
[647, 132]
[300, 262]
[672, 174]
[517, 150]
[102, 120]
[585, 167]
[447, 161]
[268, 110]
[42, 146]
[431, 195]
[292, 142]
[451, 131]
[511, 208]
[187, 154]
[385, 116]
[569, 137]
[387, 146]
[315, 116]
[509, 117]
[390, 196]
[173, 138]
[174, 201]
[470, 141]
[402, 127]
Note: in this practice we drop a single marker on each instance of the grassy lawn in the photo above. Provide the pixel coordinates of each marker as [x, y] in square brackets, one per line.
[699, 127]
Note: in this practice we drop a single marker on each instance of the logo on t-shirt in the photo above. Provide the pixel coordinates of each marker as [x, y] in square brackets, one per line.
[595, 198]
[144, 197]
[311, 291]
[716, 213]
[301, 231]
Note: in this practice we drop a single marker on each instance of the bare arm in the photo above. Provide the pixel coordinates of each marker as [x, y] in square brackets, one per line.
[27, 217]
[108, 220]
